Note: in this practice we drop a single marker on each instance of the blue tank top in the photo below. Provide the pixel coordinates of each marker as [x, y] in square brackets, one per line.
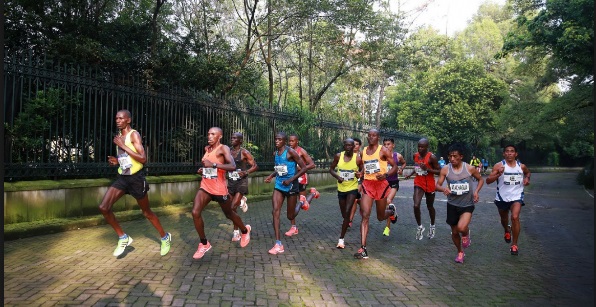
[285, 170]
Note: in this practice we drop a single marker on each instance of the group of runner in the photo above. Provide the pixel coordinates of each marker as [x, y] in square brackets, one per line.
[364, 177]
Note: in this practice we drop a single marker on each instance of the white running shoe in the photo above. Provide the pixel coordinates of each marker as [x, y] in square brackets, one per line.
[419, 232]
[431, 232]
[243, 204]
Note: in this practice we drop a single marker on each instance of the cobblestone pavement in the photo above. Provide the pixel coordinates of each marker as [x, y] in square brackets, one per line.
[555, 266]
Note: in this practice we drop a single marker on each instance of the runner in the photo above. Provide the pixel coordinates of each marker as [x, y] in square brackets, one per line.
[425, 166]
[216, 161]
[393, 181]
[462, 194]
[303, 180]
[238, 179]
[288, 168]
[357, 145]
[349, 169]
[475, 162]
[511, 177]
[375, 159]
[131, 180]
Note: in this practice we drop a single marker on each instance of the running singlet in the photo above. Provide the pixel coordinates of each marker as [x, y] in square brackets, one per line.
[285, 169]
[510, 186]
[462, 187]
[373, 164]
[347, 171]
[128, 165]
[304, 178]
[240, 166]
[423, 179]
[394, 177]
[214, 179]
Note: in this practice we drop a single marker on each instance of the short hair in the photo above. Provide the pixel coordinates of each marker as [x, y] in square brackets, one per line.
[126, 112]
[456, 147]
[510, 145]
[283, 135]
[389, 139]
[294, 135]
[357, 140]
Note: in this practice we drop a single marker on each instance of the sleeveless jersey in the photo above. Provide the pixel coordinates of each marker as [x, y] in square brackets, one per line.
[373, 164]
[214, 179]
[462, 186]
[241, 165]
[422, 176]
[347, 170]
[285, 170]
[510, 186]
[128, 165]
[394, 177]
[304, 178]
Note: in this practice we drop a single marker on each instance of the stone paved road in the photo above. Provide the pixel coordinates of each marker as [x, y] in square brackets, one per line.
[555, 266]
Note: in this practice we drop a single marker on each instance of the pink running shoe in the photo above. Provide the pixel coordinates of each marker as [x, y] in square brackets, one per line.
[292, 232]
[314, 191]
[460, 257]
[245, 237]
[276, 249]
[202, 250]
[305, 205]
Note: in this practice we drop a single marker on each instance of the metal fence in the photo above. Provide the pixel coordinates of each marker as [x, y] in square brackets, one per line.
[59, 123]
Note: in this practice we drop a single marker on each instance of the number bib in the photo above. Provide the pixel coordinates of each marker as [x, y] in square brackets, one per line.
[234, 175]
[209, 172]
[512, 179]
[281, 170]
[347, 175]
[459, 188]
[419, 171]
[125, 161]
[372, 166]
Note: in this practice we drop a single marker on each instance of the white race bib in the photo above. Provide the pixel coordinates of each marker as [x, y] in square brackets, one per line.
[209, 172]
[125, 161]
[419, 171]
[234, 175]
[281, 170]
[459, 188]
[512, 178]
[347, 175]
[372, 166]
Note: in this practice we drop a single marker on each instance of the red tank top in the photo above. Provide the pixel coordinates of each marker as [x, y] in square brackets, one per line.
[422, 177]
[214, 179]
[304, 178]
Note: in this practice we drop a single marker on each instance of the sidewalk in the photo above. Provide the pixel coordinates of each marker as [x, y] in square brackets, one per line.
[555, 266]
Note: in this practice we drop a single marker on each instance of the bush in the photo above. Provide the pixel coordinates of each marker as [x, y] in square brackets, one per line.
[586, 176]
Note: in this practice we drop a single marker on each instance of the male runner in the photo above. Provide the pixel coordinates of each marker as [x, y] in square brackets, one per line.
[357, 145]
[393, 181]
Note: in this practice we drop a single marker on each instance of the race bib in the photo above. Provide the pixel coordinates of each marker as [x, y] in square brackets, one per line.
[347, 175]
[281, 170]
[419, 171]
[125, 161]
[372, 166]
[512, 178]
[459, 188]
[388, 168]
[209, 172]
[235, 175]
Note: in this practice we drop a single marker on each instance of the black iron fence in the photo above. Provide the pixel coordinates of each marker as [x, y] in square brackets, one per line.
[59, 123]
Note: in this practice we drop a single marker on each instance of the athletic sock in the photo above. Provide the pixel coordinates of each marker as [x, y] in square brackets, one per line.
[204, 241]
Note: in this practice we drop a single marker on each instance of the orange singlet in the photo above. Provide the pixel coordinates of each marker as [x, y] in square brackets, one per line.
[423, 179]
[214, 180]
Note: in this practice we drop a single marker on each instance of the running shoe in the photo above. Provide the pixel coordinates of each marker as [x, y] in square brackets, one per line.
[236, 236]
[292, 232]
[466, 241]
[393, 216]
[514, 251]
[419, 230]
[245, 237]
[350, 224]
[122, 244]
[201, 250]
[304, 204]
[341, 244]
[314, 191]
[243, 204]
[386, 231]
[507, 235]
[431, 232]
[460, 257]
[166, 244]
[361, 254]
[276, 249]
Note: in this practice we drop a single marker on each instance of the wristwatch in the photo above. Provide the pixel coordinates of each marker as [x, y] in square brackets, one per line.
[214, 165]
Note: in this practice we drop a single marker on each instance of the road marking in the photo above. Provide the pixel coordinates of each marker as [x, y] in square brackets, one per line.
[591, 195]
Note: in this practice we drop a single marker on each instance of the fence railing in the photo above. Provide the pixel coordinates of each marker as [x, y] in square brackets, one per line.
[59, 123]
